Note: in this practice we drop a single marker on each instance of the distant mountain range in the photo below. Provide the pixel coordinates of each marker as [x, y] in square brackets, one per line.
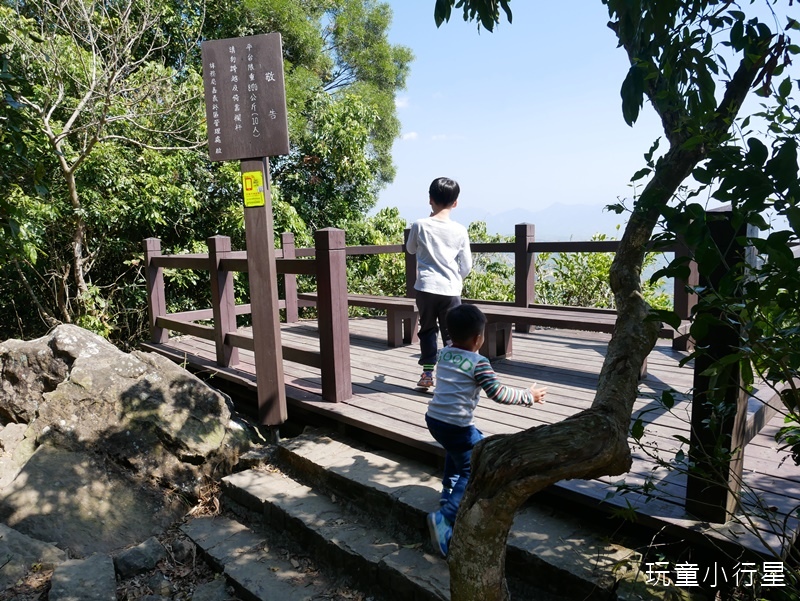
[557, 222]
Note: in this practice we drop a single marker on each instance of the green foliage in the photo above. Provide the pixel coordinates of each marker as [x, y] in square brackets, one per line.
[486, 12]
[111, 166]
[578, 279]
[15, 137]
[328, 175]
[383, 274]
[492, 275]
[581, 279]
[339, 47]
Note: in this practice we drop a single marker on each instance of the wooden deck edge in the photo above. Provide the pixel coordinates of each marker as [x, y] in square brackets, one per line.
[671, 519]
[199, 365]
[298, 400]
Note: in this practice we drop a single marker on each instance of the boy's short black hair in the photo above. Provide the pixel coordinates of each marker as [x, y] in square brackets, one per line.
[465, 322]
[444, 191]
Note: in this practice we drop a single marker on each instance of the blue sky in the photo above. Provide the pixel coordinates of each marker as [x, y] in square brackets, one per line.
[523, 118]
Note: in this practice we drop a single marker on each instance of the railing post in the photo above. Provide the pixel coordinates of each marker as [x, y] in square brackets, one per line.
[263, 278]
[524, 269]
[156, 299]
[223, 300]
[411, 267]
[684, 301]
[289, 279]
[334, 329]
[719, 404]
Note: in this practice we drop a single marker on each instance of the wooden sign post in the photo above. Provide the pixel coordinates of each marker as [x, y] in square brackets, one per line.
[247, 120]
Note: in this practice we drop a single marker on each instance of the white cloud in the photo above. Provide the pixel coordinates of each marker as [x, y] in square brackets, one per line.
[412, 135]
[402, 102]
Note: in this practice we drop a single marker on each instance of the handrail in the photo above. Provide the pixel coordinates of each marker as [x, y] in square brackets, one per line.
[508, 247]
[328, 265]
[291, 261]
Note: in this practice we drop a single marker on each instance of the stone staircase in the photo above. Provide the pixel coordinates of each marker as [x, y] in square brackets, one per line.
[361, 512]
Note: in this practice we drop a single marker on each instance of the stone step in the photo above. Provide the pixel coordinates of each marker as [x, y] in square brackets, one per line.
[403, 491]
[257, 571]
[364, 512]
[343, 539]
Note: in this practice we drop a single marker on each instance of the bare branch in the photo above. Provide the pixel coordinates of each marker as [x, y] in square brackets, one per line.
[46, 315]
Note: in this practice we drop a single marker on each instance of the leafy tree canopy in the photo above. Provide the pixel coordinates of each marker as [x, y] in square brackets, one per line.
[104, 142]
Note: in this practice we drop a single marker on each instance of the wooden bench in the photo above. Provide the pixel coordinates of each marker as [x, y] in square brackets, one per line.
[402, 317]
[403, 320]
[500, 318]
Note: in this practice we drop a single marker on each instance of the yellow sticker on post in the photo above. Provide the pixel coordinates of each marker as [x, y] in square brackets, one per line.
[253, 183]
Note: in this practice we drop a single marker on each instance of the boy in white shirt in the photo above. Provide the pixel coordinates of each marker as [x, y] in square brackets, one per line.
[443, 261]
[461, 374]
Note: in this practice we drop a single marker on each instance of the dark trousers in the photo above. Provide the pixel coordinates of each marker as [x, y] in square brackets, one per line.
[458, 442]
[432, 310]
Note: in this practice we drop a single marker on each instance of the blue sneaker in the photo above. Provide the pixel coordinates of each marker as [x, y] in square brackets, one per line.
[441, 532]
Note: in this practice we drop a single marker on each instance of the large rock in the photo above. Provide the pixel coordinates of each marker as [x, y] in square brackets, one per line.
[83, 503]
[91, 437]
[20, 553]
[28, 370]
[80, 393]
[91, 579]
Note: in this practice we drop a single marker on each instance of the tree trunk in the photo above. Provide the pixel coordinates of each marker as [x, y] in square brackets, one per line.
[508, 469]
[78, 237]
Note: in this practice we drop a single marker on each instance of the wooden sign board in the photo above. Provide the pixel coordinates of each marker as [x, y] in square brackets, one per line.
[245, 97]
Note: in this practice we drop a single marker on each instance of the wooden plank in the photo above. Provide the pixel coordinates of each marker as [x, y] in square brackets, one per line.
[289, 353]
[188, 261]
[600, 246]
[198, 363]
[196, 315]
[263, 283]
[289, 279]
[186, 327]
[551, 316]
[297, 266]
[492, 247]
[156, 300]
[334, 334]
[238, 262]
[368, 300]
[223, 300]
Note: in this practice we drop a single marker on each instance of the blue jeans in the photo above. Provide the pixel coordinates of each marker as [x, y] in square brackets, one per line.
[458, 442]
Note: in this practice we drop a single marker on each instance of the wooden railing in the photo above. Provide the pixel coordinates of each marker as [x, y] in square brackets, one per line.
[328, 265]
[524, 248]
[327, 262]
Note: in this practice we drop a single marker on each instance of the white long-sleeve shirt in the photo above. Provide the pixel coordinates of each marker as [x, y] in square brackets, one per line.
[443, 255]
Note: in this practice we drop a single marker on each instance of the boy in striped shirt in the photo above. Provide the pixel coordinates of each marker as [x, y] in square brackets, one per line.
[461, 374]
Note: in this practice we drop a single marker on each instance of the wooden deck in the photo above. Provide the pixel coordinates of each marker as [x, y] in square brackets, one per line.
[386, 404]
